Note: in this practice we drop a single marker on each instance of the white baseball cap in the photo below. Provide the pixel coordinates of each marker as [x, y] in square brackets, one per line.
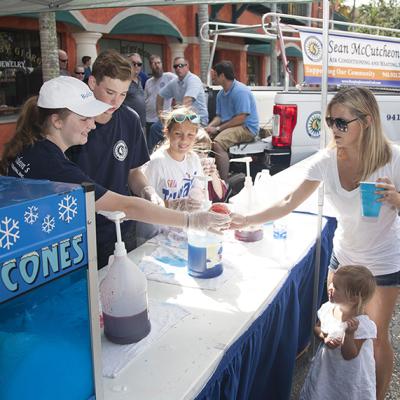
[71, 93]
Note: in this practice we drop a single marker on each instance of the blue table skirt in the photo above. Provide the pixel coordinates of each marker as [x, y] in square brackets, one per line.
[259, 365]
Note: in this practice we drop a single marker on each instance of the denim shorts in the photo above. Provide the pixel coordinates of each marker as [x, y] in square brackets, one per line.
[392, 279]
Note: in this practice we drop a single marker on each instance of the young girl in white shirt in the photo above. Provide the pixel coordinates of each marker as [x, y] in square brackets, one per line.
[344, 366]
[174, 170]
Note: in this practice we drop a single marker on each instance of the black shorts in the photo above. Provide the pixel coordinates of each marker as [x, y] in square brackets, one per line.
[392, 279]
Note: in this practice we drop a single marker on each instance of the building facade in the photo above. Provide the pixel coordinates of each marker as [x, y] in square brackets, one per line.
[168, 31]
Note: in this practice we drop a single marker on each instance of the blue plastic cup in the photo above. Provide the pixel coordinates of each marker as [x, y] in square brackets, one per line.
[370, 205]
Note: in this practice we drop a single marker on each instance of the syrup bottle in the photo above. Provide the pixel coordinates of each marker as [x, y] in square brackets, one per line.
[123, 294]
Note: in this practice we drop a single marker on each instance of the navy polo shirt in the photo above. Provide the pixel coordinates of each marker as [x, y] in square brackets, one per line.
[112, 150]
[45, 160]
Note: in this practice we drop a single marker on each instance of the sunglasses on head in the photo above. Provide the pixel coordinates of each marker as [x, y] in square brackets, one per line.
[137, 64]
[341, 124]
[179, 66]
[180, 118]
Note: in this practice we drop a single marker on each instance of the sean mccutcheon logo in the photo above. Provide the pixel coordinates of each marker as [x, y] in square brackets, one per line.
[313, 48]
[313, 125]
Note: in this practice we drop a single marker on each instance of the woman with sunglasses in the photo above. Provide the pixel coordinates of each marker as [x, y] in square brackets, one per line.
[60, 117]
[358, 151]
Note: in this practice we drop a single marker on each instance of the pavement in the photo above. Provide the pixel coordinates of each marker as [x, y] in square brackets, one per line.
[303, 363]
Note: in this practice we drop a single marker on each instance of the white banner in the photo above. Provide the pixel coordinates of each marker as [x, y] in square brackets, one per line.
[352, 60]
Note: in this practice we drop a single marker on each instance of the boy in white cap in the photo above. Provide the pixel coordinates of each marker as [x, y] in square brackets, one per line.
[62, 116]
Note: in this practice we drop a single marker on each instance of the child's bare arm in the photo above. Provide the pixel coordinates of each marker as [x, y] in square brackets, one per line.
[351, 347]
[318, 332]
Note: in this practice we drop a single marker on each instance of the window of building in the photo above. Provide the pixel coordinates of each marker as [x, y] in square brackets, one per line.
[253, 70]
[126, 47]
[20, 57]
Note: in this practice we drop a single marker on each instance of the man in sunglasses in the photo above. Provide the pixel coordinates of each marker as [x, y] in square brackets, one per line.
[63, 62]
[236, 119]
[187, 90]
[135, 96]
[79, 72]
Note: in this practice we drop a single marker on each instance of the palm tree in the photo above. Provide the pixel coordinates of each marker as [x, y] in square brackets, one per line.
[204, 46]
[48, 45]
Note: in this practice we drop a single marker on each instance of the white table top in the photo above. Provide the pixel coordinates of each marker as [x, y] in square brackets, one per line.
[181, 362]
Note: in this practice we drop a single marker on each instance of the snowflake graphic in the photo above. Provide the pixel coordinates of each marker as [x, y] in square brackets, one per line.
[9, 232]
[48, 224]
[31, 215]
[67, 208]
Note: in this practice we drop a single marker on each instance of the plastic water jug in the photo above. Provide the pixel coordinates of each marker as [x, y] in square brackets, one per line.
[123, 294]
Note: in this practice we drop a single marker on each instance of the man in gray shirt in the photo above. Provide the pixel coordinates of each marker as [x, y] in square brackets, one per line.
[153, 86]
[187, 90]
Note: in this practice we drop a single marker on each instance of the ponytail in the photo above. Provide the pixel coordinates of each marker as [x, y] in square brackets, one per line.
[27, 131]
[31, 127]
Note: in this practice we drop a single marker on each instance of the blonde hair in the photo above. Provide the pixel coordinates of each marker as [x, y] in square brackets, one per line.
[375, 150]
[357, 282]
[168, 122]
[203, 141]
[168, 117]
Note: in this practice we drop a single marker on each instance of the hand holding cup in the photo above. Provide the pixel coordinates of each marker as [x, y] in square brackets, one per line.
[390, 194]
[208, 165]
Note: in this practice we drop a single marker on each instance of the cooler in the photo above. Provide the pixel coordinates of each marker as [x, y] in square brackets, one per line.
[49, 309]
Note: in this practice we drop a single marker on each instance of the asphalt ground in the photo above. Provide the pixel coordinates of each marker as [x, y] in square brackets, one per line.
[303, 363]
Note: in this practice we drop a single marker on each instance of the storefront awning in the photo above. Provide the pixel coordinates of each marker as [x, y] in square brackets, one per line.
[293, 52]
[264, 49]
[61, 16]
[143, 24]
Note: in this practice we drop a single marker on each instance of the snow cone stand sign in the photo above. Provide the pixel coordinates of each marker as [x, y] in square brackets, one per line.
[352, 60]
[47, 291]
[42, 233]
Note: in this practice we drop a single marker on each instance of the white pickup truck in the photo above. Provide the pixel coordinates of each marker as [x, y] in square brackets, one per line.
[295, 118]
[297, 125]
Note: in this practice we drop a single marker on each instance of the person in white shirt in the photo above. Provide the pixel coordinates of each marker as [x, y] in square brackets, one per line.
[344, 366]
[359, 151]
[175, 170]
[153, 86]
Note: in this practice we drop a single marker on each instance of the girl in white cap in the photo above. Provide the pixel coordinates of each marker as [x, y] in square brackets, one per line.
[62, 116]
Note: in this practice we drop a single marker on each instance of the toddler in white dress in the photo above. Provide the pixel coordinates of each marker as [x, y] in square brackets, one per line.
[344, 366]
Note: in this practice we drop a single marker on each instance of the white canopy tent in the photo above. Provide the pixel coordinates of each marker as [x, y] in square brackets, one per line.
[10, 7]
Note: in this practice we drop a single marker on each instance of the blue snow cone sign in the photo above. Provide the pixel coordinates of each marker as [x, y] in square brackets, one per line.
[45, 332]
[42, 233]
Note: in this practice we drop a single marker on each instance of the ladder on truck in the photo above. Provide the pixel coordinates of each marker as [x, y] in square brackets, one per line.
[272, 29]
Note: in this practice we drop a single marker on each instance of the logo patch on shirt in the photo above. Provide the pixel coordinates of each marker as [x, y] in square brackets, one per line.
[120, 150]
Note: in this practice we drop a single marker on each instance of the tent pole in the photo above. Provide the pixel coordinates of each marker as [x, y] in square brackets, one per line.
[324, 102]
